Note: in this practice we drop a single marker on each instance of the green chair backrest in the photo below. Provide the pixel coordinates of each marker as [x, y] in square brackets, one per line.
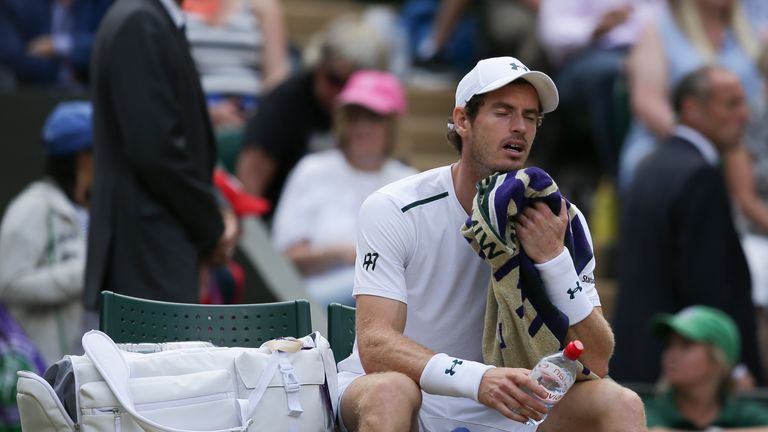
[134, 320]
[341, 330]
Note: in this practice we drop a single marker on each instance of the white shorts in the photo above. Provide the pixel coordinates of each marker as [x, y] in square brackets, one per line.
[448, 414]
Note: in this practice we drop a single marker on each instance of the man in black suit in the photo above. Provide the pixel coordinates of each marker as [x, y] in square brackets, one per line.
[155, 217]
[678, 242]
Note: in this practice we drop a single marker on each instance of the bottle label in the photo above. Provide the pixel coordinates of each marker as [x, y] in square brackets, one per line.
[554, 379]
[553, 397]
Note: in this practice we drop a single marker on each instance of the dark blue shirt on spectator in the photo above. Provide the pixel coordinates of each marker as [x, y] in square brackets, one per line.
[49, 41]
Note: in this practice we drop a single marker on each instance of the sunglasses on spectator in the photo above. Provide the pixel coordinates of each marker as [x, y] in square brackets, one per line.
[335, 79]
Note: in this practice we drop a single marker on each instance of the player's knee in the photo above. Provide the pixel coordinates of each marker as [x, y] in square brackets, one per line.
[386, 389]
[631, 405]
[383, 393]
[621, 402]
[388, 400]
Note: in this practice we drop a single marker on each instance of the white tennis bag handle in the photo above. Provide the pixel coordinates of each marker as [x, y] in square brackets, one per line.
[111, 364]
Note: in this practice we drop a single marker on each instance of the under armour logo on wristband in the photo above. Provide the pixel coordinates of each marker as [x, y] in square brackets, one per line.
[573, 291]
[451, 371]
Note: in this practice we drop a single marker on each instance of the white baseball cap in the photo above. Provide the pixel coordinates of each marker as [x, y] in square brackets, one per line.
[493, 73]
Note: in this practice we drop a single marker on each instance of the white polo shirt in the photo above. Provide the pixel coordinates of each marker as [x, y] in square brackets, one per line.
[410, 249]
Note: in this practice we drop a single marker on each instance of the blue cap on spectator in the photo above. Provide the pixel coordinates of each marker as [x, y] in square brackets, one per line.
[68, 129]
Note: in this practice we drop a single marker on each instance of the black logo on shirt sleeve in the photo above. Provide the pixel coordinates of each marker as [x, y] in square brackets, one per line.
[369, 261]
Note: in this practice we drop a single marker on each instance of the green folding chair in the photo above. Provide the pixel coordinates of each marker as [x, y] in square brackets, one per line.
[341, 330]
[129, 319]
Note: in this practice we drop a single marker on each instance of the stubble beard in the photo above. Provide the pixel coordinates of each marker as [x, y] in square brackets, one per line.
[483, 165]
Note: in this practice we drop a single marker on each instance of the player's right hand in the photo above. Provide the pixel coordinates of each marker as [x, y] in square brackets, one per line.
[503, 390]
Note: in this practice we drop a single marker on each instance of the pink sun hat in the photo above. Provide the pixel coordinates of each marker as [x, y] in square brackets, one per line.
[380, 92]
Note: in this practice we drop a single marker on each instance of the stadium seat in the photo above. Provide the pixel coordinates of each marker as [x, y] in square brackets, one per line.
[129, 319]
[341, 329]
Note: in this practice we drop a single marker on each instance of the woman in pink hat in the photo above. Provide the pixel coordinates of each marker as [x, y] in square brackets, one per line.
[315, 222]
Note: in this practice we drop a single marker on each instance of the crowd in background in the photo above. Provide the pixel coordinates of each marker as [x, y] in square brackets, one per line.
[305, 133]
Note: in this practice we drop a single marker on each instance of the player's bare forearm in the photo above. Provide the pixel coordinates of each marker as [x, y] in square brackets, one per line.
[380, 340]
[541, 233]
[597, 336]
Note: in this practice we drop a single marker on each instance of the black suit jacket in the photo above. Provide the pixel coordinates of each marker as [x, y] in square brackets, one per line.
[678, 247]
[153, 210]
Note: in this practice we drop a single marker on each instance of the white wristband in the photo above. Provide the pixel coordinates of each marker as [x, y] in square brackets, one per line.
[450, 376]
[562, 285]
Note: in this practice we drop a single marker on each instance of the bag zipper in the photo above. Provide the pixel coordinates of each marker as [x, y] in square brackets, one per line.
[150, 406]
[115, 411]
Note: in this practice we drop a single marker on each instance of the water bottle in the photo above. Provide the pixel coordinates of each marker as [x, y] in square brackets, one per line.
[557, 372]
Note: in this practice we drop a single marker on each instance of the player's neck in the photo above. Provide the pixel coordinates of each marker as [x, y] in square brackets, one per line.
[464, 180]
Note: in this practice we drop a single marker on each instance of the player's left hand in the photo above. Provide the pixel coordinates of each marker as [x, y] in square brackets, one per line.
[541, 232]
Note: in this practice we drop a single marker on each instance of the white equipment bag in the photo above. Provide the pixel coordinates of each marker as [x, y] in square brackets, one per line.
[286, 385]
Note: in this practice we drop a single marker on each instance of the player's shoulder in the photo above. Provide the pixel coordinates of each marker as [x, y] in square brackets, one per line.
[421, 186]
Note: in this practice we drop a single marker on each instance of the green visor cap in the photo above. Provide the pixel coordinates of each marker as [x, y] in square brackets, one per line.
[701, 324]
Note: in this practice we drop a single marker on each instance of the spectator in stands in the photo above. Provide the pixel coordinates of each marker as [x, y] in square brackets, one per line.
[702, 348]
[746, 172]
[678, 242]
[511, 28]
[692, 33]
[295, 118]
[448, 36]
[315, 223]
[442, 35]
[240, 49]
[43, 236]
[587, 42]
[155, 217]
[49, 41]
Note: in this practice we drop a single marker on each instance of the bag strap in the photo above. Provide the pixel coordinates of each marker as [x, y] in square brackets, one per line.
[111, 364]
[259, 388]
[279, 360]
[329, 364]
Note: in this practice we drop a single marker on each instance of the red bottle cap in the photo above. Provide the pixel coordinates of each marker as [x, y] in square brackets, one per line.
[573, 350]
